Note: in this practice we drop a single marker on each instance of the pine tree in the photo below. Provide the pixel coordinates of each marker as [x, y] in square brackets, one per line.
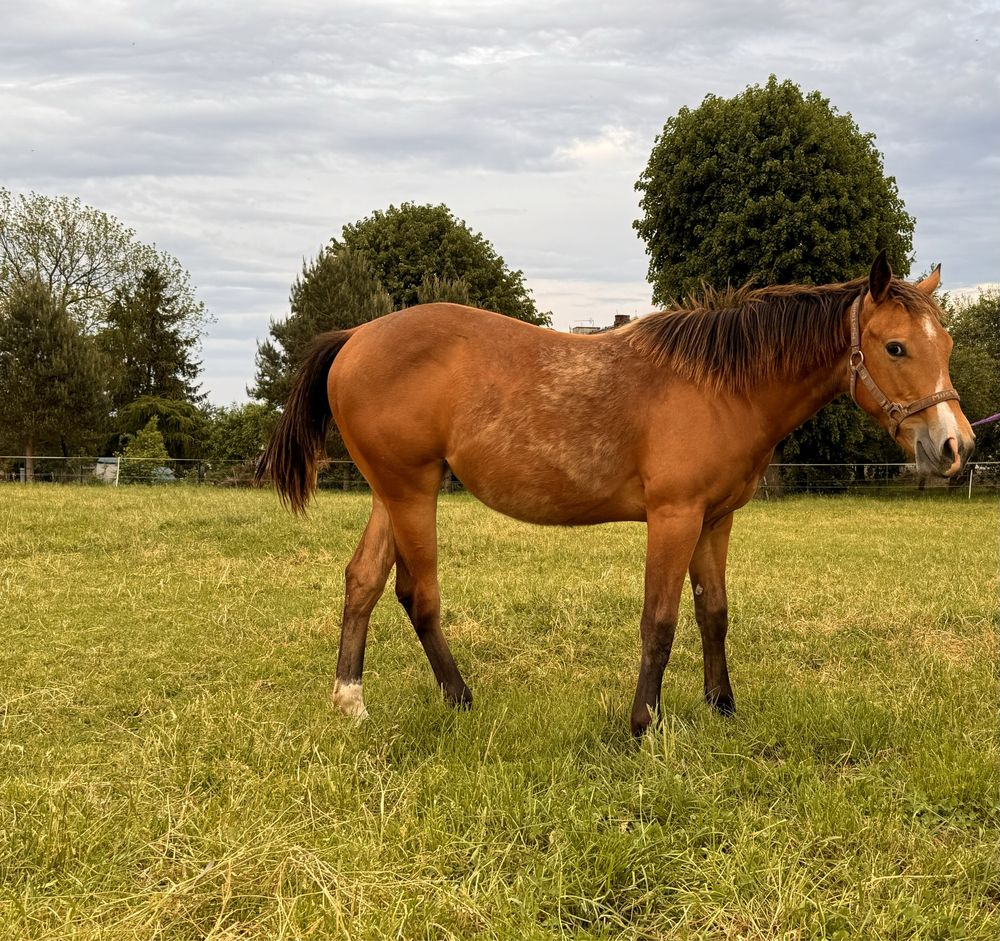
[49, 376]
[148, 344]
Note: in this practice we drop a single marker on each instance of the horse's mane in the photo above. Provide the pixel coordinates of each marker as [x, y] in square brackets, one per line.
[735, 339]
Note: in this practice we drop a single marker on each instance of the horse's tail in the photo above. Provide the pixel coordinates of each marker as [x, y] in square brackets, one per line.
[292, 456]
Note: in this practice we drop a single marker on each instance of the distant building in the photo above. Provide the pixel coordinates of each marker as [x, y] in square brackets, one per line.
[620, 321]
[106, 470]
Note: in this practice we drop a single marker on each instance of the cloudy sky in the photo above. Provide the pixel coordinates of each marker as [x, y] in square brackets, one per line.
[240, 136]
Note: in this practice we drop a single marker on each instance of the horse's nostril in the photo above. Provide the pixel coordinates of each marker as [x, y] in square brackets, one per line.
[950, 449]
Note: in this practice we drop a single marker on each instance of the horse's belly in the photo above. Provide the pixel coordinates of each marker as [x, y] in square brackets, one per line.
[545, 495]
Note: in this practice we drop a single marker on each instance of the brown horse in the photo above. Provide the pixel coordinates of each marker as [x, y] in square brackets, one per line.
[670, 420]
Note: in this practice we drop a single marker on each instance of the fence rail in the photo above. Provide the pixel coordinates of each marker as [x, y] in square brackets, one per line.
[779, 480]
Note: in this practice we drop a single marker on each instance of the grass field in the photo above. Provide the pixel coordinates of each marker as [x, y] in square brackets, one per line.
[170, 766]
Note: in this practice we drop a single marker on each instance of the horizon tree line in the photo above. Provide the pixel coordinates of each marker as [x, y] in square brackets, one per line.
[99, 333]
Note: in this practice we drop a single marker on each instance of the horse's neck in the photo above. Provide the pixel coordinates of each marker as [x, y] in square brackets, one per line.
[789, 402]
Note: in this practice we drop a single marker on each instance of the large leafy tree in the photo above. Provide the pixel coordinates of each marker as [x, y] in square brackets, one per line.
[773, 187]
[148, 343]
[388, 260]
[335, 291]
[83, 256]
[770, 186]
[50, 386]
[975, 365]
[411, 243]
[237, 435]
[136, 303]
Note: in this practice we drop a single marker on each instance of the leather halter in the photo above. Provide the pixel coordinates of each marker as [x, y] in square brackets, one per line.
[897, 413]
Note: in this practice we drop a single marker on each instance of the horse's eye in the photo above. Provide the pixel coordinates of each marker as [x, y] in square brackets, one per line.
[895, 349]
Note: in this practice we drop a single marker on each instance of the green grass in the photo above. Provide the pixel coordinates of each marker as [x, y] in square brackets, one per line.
[170, 766]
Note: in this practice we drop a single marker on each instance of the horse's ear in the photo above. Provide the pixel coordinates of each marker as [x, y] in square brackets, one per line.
[879, 277]
[930, 284]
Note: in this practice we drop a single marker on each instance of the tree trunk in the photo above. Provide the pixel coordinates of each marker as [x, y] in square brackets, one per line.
[29, 462]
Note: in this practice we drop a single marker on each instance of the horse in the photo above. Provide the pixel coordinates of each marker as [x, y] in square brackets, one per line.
[670, 420]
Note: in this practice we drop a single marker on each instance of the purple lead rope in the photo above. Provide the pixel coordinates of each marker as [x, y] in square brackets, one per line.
[987, 421]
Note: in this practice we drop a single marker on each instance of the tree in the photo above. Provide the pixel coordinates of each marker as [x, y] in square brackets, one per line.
[82, 255]
[237, 436]
[975, 365]
[773, 187]
[148, 343]
[184, 425]
[143, 455]
[435, 288]
[770, 186]
[336, 291]
[386, 261]
[412, 242]
[50, 390]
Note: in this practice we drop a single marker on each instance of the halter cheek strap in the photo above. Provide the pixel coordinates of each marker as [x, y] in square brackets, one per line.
[897, 413]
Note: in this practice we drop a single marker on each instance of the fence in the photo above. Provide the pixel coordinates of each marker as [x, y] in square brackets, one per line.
[779, 480]
[114, 471]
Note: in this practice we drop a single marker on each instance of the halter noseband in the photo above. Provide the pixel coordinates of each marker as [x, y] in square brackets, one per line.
[897, 413]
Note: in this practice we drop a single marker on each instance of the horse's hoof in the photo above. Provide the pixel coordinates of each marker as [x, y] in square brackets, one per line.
[723, 705]
[641, 722]
[460, 700]
[348, 699]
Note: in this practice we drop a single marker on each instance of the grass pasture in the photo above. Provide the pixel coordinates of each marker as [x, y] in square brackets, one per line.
[170, 767]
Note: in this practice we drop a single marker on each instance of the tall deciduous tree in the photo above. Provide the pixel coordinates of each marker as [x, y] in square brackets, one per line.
[50, 389]
[82, 255]
[975, 364]
[409, 243]
[386, 261]
[771, 186]
[435, 288]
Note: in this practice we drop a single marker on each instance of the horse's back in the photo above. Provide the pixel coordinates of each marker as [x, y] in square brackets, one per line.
[532, 421]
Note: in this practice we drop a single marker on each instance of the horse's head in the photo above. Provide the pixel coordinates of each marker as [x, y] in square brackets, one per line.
[899, 370]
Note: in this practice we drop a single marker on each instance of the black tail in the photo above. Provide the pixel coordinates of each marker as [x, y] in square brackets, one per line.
[293, 454]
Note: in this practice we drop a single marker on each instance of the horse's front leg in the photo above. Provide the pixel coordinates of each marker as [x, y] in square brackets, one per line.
[670, 541]
[708, 582]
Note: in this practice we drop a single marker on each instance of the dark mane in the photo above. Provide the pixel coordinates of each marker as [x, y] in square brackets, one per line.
[732, 340]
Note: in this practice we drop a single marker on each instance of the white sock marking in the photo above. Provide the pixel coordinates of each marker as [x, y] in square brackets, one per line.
[348, 699]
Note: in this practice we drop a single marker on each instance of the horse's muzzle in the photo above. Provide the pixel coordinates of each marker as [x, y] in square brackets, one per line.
[945, 458]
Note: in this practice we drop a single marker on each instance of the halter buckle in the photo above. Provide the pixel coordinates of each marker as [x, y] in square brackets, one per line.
[856, 365]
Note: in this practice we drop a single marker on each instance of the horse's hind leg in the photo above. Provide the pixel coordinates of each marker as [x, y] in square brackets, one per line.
[364, 579]
[415, 531]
